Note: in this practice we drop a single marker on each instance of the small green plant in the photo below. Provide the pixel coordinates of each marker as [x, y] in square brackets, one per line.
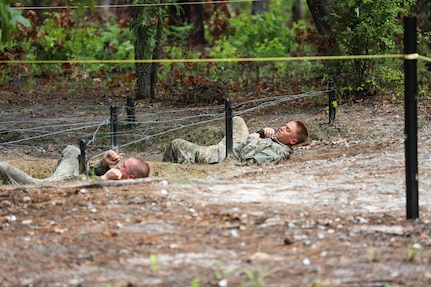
[221, 271]
[94, 177]
[414, 252]
[334, 105]
[256, 280]
[154, 263]
[195, 282]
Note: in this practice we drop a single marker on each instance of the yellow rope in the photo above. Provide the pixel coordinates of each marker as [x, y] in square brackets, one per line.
[424, 58]
[131, 5]
[414, 56]
[265, 59]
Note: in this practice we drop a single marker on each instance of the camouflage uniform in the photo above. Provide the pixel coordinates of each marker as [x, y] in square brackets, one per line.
[67, 168]
[245, 148]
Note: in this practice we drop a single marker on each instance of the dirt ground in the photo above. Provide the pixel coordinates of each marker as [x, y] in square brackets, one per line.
[332, 215]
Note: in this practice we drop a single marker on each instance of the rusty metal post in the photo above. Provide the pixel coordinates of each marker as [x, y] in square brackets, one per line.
[331, 101]
[82, 157]
[229, 132]
[131, 120]
[114, 128]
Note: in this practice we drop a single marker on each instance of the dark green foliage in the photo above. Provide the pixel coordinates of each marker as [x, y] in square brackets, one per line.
[9, 17]
[265, 35]
[358, 27]
[368, 27]
[59, 39]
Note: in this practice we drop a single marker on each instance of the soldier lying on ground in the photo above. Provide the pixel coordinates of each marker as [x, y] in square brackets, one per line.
[262, 146]
[68, 167]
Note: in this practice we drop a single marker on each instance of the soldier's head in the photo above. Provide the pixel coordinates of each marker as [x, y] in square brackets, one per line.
[134, 168]
[292, 133]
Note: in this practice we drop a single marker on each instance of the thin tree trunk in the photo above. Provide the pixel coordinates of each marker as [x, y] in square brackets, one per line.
[297, 11]
[192, 14]
[143, 70]
[156, 53]
[259, 7]
[319, 13]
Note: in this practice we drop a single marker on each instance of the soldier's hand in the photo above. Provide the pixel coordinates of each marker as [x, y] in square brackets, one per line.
[112, 174]
[268, 132]
[110, 158]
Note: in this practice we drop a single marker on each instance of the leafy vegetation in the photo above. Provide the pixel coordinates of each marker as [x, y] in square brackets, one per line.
[58, 38]
[364, 28]
[9, 18]
[357, 28]
[258, 36]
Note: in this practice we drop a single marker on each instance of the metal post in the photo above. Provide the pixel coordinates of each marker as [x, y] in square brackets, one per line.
[410, 113]
[229, 133]
[332, 103]
[114, 128]
[130, 112]
[82, 157]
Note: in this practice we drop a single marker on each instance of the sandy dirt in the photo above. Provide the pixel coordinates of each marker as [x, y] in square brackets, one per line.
[332, 215]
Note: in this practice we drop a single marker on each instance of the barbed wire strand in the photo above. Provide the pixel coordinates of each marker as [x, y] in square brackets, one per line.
[44, 125]
[177, 119]
[106, 122]
[45, 135]
[276, 101]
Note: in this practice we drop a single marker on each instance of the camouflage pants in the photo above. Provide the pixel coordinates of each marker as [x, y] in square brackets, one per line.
[182, 151]
[68, 167]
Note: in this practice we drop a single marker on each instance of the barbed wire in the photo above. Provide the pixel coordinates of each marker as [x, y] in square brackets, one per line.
[93, 138]
[48, 134]
[148, 126]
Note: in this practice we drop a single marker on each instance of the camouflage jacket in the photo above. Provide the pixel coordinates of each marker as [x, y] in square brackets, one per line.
[262, 150]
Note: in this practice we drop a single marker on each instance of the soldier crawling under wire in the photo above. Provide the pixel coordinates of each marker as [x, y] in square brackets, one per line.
[263, 146]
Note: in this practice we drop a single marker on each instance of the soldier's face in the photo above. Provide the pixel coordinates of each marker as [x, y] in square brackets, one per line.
[125, 169]
[286, 134]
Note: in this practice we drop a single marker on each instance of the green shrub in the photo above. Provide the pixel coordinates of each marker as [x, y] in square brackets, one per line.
[57, 38]
[366, 28]
[257, 36]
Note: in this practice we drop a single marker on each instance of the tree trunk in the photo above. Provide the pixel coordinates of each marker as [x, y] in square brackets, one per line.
[143, 74]
[104, 12]
[318, 12]
[297, 11]
[156, 53]
[259, 7]
[193, 14]
[143, 70]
